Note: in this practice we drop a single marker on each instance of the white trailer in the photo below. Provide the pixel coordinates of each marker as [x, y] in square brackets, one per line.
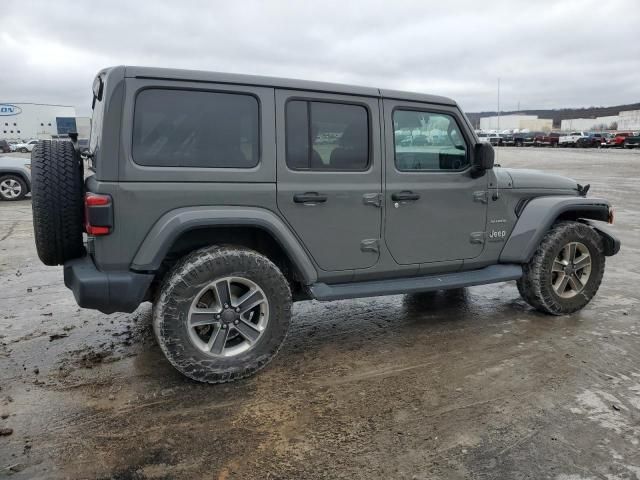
[28, 121]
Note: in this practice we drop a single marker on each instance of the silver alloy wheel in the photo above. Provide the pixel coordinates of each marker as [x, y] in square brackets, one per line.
[228, 317]
[571, 270]
[10, 188]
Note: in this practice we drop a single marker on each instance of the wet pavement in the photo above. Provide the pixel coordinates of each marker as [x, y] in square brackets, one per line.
[449, 385]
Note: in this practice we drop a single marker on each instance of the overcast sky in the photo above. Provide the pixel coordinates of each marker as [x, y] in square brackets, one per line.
[548, 54]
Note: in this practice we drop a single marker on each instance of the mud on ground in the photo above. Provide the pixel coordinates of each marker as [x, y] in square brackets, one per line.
[464, 384]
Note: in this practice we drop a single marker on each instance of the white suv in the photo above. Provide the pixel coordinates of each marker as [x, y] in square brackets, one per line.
[571, 139]
[25, 147]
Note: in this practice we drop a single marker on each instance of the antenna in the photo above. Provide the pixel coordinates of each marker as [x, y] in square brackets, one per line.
[498, 104]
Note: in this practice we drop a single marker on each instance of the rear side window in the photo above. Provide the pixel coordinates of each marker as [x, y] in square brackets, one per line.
[428, 141]
[96, 117]
[327, 136]
[184, 128]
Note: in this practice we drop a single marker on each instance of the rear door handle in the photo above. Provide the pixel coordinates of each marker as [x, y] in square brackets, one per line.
[405, 196]
[309, 197]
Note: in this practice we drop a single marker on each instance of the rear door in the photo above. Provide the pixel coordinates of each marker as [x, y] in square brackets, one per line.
[436, 211]
[329, 175]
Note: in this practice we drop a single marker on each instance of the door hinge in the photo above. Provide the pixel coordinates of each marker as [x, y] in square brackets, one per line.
[481, 196]
[476, 237]
[374, 199]
[370, 245]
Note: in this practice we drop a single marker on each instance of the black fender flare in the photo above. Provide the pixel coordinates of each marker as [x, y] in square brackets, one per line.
[174, 223]
[539, 215]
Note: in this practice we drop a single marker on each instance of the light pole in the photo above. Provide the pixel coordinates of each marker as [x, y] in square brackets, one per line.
[498, 104]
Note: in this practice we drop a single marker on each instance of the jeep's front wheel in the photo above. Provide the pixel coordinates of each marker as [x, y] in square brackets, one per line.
[566, 270]
[222, 314]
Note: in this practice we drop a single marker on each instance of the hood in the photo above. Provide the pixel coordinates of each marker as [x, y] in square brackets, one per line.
[524, 178]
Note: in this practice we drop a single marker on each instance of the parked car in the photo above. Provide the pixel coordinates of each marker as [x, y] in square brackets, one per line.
[224, 227]
[493, 138]
[15, 177]
[25, 147]
[483, 136]
[606, 137]
[4, 146]
[571, 139]
[509, 139]
[546, 139]
[518, 139]
[632, 141]
[616, 141]
[592, 140]
[528, 138]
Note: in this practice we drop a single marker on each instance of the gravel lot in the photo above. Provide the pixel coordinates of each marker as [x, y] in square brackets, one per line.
[465, 384]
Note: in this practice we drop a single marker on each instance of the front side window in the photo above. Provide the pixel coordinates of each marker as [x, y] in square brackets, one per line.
[326, 136]
[185, 128]
[428, 141]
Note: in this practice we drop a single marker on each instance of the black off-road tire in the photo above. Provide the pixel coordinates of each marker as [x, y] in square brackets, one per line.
[23, 187]
[57, 200]
[535, 286]
[182, 284]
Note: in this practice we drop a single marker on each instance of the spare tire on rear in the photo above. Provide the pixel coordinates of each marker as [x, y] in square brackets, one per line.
[57, 200]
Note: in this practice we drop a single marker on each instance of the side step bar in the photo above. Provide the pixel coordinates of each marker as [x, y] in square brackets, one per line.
[490, 274]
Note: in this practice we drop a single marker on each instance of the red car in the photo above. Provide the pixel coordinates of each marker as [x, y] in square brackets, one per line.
[616, 141]
[546, 139]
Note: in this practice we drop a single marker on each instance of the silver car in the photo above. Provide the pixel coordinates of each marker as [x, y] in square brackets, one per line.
[15, 177]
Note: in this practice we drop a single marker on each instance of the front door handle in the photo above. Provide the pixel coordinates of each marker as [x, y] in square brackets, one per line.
[309, 197]
[405, 196]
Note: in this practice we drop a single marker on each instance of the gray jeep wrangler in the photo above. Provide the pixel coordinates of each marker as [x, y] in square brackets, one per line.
[224, 198]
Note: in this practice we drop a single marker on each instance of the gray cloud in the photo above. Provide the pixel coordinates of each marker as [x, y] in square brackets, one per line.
[548, 54]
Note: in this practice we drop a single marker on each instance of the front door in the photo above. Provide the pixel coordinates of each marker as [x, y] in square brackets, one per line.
[435, 209]
[330, 175]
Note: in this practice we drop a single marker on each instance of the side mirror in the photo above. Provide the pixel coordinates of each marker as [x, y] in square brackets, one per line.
[483, 157]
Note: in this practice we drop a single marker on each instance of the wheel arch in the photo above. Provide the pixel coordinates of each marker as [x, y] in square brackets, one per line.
[185, 229]
[540, 214]
[18, 173]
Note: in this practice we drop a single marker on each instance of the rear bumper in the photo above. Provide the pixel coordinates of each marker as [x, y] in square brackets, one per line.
[109, 292]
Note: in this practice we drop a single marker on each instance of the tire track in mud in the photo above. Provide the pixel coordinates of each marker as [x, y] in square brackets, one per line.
[9, 232]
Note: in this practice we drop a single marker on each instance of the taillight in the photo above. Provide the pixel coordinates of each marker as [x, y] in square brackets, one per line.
[98, 214]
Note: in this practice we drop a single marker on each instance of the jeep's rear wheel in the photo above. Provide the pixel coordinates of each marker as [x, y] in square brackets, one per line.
[57, 189]
[222, 313]
[566, 270]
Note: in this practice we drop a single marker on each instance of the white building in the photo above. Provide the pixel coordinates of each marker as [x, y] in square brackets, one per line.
[626, 120]
[629, 120]
[516, 122]
[537, 124]
[26, 121]
[589, 124]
